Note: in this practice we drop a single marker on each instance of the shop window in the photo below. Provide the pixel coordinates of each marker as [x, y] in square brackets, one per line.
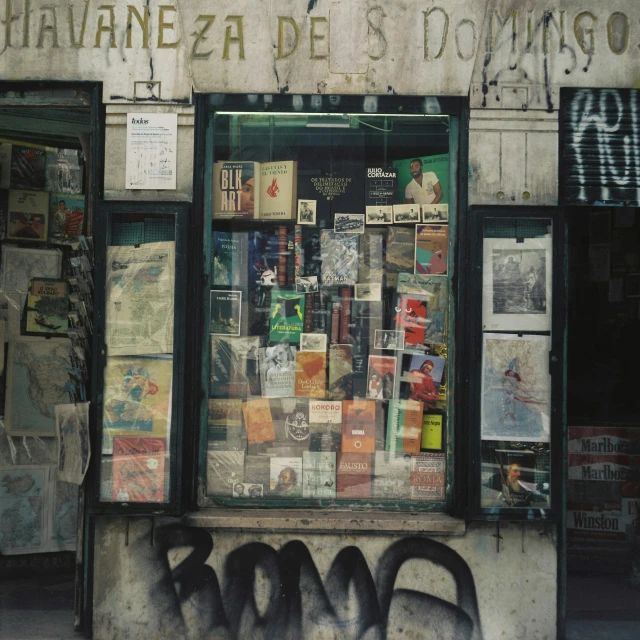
[329, 310]
[515, 381]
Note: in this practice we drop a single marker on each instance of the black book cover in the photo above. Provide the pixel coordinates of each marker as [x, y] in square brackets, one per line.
[381, 186]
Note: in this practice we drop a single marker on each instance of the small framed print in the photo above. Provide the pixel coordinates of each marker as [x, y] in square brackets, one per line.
[393, 340]
[28, 215]
[306, 212]
[307, 284]
[226, 307]
[348, 223]
[379, 214]
[435, 213]
[313, 342]
[368, 292]
[406, 213]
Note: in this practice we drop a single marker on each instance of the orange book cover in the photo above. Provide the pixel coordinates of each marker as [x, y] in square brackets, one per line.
[258, 421]
[358, 426]
[412, 427]
[311, 374]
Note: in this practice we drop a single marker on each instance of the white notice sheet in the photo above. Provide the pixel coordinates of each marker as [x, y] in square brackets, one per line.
[152, 142]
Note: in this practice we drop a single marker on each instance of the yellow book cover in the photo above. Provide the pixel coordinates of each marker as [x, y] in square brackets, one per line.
[278, 190]
[258, 421]
[311, 374]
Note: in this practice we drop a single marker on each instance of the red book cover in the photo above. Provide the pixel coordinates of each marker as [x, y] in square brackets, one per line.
[411, 317]
[359, 426]
[345, 314]
[138, 469]
[412, 427]
[335, 322]
[354, 475]
[282, 256]
[427, 476]
[298, 252]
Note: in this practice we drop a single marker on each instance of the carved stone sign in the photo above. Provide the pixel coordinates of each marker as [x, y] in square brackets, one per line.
[415, 47]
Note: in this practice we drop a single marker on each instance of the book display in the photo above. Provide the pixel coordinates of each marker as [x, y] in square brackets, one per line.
[328, 318]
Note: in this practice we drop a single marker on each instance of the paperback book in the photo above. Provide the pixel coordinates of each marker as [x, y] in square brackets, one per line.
[224, 470]
[224, 424]
[278, 371]
[404, 426]
[427, 477]
[325, 425]
[286, 477]
[381, 377]
[319, 474]
[236, 189]
[291, 420]
[358, 426]
[278, 190]
[339, 254]
[371, 258]
[399, 252]
[311, 374]
[410, 317]
[234, 367]
[436, 291]
[380, 186]
[287, 316]
[257, 471]
[28, 168]
[340, 372]
[421, 377]
[230, 251]
[47, 307]
[264, 259]
[432, 246]
[432, 431]
[392, 475]
[354, 475]
[258, 421]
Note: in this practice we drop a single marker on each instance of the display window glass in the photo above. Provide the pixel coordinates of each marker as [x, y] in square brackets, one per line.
[515, 381]
[330, 242]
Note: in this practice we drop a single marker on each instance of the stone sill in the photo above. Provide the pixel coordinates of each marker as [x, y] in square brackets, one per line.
[326, 521]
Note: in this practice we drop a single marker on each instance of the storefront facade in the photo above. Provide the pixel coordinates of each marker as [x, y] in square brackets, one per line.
[479, 91]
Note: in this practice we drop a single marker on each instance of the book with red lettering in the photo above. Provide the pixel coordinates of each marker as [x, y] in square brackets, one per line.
[354, 475]
[427, 477]
[358, 426]
[138, 469]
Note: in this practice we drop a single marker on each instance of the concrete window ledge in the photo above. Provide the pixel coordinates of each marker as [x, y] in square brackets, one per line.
[326, 521]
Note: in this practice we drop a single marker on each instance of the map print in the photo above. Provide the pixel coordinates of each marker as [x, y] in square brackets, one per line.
[19, 265]
[140, 286]
[22, 501]
[38, 373]
[64, 516]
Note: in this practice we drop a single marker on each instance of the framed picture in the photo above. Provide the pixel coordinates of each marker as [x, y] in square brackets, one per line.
[516, 388]
[37, 369]
[28, 216]
[306, 212]
[516, 288]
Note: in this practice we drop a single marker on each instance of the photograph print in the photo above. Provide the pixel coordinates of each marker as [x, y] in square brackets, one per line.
[306, 212]
[307, 284]
[516, 286]
[382, 214]
[348, 223]
[435, 213]
[393, 340]
[368, 292]
[516, 388]
[406, 213]
[313, 342]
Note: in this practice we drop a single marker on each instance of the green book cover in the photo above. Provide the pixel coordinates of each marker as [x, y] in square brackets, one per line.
[395, 420]
[287, 315]
[319, 474]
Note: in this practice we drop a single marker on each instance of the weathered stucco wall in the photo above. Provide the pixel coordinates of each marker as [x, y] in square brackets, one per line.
[188, 582]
